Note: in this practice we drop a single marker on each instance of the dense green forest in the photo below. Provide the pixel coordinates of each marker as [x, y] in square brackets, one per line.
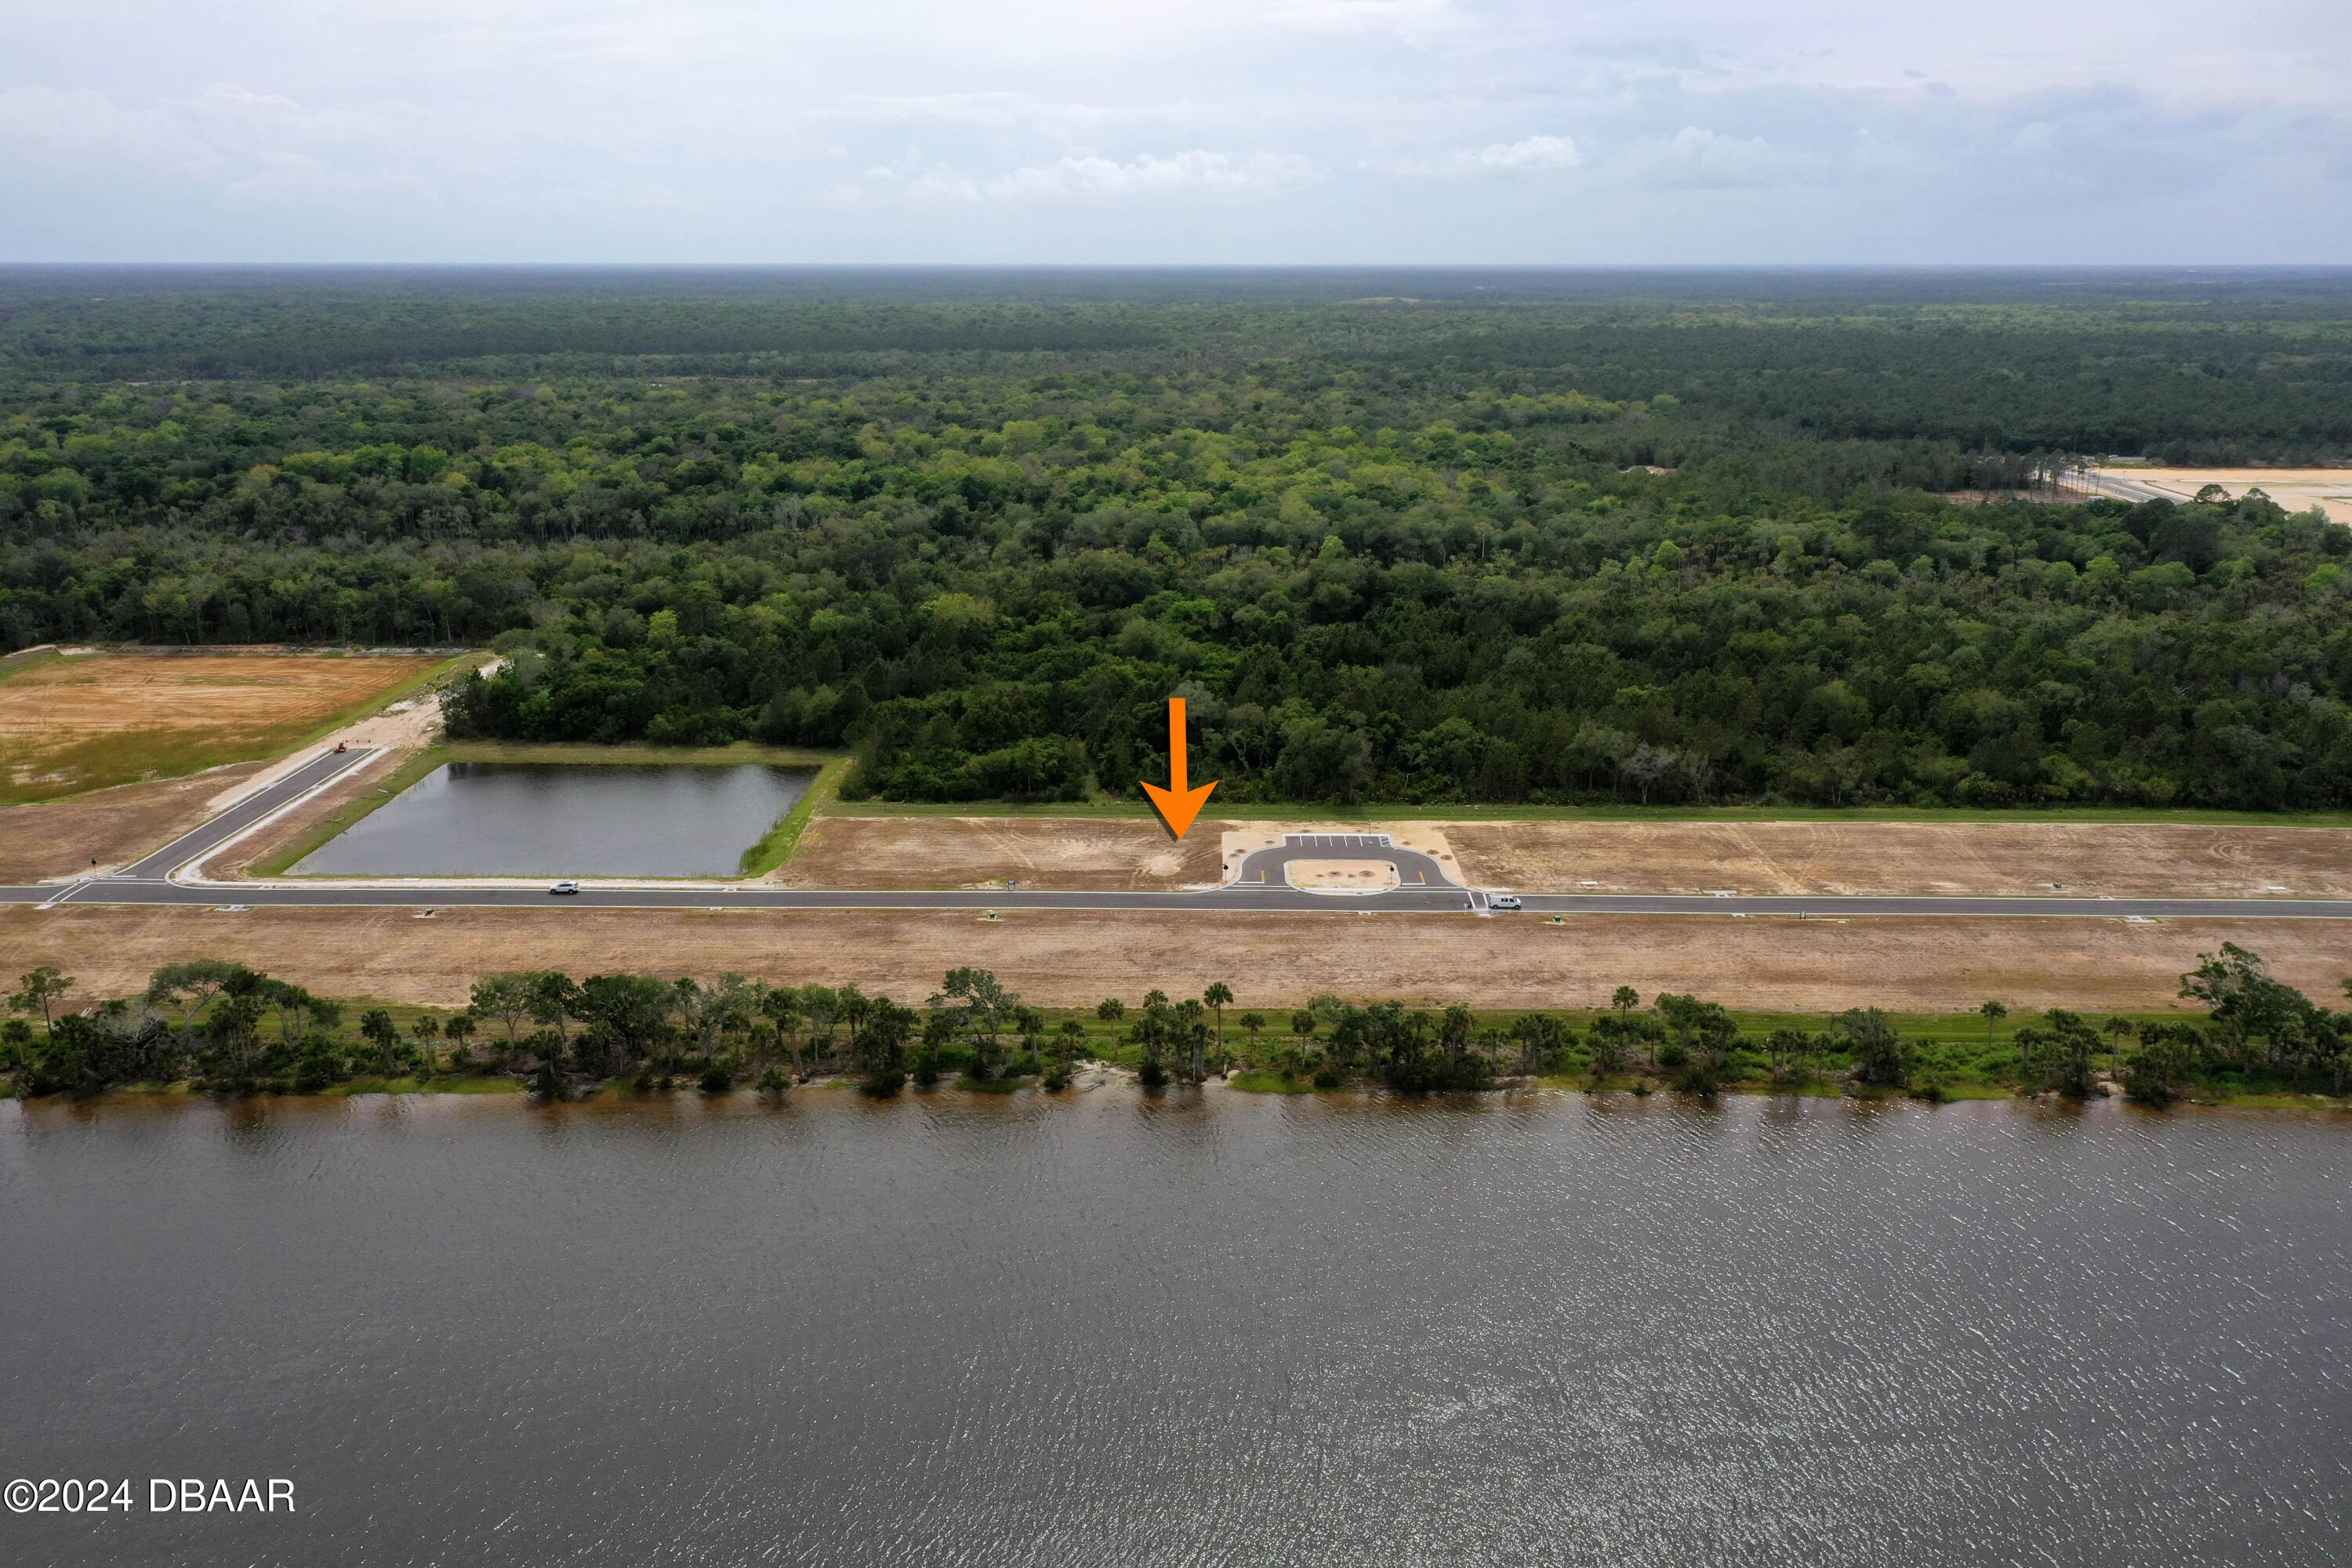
[1412, 537]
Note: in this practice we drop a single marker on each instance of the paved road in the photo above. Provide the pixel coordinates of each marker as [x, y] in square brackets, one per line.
[149, 882]
[190, 846]
[1415, 869]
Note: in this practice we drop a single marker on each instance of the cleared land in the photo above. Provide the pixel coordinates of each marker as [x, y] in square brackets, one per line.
[1074, 960]
[1341, 875]
[1078, 853]
[2296, 490]
[79, 722]
[1975, 858]
[112, 827]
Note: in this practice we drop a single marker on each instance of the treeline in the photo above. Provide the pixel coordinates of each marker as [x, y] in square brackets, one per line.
[231, 1029]
[1388, 555]
[1471, 610]
[2232, 376]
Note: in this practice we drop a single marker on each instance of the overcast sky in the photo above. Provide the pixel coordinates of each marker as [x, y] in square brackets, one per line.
[1145, 130]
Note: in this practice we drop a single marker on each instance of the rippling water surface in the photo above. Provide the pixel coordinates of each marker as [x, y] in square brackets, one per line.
[1111, 1331]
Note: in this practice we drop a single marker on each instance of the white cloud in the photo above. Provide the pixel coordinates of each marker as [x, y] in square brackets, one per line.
[1184, 173]
[41, 124]
[1412, 20]
[731, 129]
[930, 184]
[297, 179]
[1526, 153]
[1534, 153]
[1697, 158]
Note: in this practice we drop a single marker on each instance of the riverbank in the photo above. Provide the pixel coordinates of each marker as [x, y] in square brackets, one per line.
[1097, 1077]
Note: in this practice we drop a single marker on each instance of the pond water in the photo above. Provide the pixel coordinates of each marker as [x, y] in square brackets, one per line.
[531, 819]
[1109, 1330]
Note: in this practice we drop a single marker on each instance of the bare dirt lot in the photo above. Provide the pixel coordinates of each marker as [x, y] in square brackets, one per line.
[1083, 854]
[85, 722]
[1976, 859]
[1341, 875]
[1271, 960]
[112, 827]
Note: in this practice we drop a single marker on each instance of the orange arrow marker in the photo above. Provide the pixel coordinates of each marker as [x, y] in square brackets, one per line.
[1178, 806]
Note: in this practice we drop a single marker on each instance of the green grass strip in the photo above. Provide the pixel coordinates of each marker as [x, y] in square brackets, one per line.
[770, 854]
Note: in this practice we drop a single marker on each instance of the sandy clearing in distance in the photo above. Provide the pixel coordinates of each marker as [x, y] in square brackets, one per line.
[1073, 960]
[2296, 490]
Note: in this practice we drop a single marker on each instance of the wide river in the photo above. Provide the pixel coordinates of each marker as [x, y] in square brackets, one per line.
[956, 1330]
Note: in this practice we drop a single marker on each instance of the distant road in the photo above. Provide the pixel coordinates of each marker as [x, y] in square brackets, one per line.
[154, 881]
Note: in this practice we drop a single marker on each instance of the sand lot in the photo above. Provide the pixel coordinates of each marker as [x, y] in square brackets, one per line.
[1083, 854]
[112, 827]
[87, 722]
[1976, 859]
[2296, 490]
[1063, 958]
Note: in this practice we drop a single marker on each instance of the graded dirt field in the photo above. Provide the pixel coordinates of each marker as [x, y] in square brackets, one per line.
[82, 721]
[1974, 858]
[1083, 854]
[112, 827]
[1073, 960]
[1341, 875]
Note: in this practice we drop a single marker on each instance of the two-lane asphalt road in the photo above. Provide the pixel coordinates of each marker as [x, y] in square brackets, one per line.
[157, 879]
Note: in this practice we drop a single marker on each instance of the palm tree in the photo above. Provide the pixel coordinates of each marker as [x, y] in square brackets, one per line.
[782, 1007]
[1994, 1011]
[458, 1030]
[376, 1025]
[1194, 1037]
[1220, 997]
[427, 1030]
[2118, 1028]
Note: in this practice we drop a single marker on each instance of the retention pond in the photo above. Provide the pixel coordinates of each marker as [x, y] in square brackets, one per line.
[528, 819]
[1113, 1329]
